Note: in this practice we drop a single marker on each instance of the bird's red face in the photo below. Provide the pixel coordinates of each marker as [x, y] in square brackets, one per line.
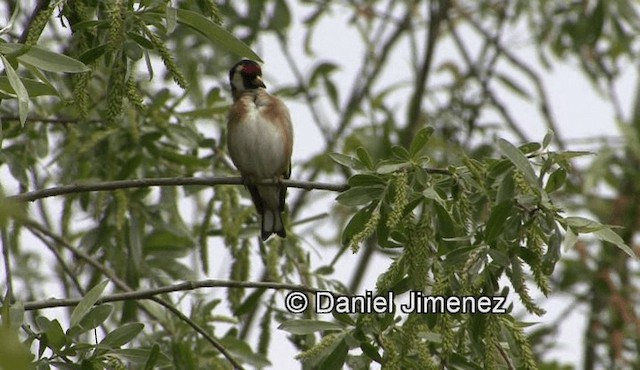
[246, 75]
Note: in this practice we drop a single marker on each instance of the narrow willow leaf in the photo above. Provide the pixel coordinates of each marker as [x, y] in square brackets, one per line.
[215, 33]
[87, 303]
[122, 335]
[420, 141]
[308, 326]
[520, 161]
[44, 59]
[19, 89]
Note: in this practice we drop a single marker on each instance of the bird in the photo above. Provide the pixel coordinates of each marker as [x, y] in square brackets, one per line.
[260, 143]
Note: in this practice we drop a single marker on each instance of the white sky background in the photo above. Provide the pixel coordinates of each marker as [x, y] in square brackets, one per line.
[579, 111]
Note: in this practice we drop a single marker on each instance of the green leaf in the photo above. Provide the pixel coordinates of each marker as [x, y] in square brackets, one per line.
[512, 85]
[218, 35]
[608, 235]
[44, 59]
[13, 353]
[370, 351]
[356, 224]
[323, 70]
[520, 161]
[122, 335]
[385, 167]
[154, 354]
[87, 303]
[141, 40]
[496, 222]
[400, 152]
[143, 356]
[556, 180]
[336, 358]
[345, 160]
[34, 87]
[55, 336]
[360, 196]
[583, 225]
[420, 141]
[308, 326]
[19, 89]
[529, 148]
[92, 320]
[250, 302]
[547, 139]
[570, 239]
[281, 18]
[506, 188]
[365, 180]
[241, 351]
[364, 157]
[163, 240]
[94, 53]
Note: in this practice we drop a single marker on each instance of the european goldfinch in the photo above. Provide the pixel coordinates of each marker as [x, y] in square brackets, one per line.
[260, 142]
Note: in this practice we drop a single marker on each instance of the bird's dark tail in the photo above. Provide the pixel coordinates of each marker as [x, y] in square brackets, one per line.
[272, 224]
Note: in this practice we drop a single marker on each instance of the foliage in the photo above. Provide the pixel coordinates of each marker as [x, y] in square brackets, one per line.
[103, 90]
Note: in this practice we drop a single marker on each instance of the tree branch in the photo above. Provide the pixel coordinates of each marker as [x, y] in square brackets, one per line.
[150, 293]
[164, 181]
[180, 181]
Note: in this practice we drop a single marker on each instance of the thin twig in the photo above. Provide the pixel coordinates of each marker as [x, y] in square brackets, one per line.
[544, 106]
[367, 76]
[51, 120]
[505, 357]
[7, 265]
[180, 181]
[437, 12]
[65, 268]
[180, 287]
[164, 181]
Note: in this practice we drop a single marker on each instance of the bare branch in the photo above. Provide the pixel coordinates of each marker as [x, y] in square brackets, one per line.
[179, 181]
[181, 287]
[164, 181]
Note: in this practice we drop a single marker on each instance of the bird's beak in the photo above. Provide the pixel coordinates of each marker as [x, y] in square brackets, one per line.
[258, 82]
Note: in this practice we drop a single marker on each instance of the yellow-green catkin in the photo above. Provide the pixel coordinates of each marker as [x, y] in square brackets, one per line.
[389, 278]
[211, 10]
[133, 95]
[535, 242]
[116, 11]
[38, 24]
[413, 327]
[491, 342]
[367, 231]
[527, 360]
[168, 60]
[523, 290]
[116, 89]
[122, 204]
[400, 199]
[240, 270]
[326, 342]
[274, 251]
[392, 359]
[419, 255]
[445, 321]
[81, 93]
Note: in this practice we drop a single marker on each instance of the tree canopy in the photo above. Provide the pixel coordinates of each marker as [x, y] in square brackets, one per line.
[120, 204]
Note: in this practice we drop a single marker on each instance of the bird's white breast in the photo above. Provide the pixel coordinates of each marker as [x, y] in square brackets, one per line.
[256, 144]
